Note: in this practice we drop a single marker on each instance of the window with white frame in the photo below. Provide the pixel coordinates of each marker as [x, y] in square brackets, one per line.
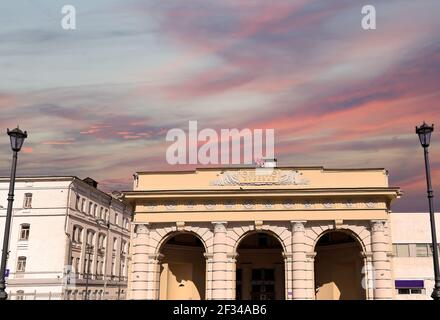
[77, 203]
[21, 264]
[77, 234]
[27, 203]
[95, 210]
[89, 208]
[90, 237]
[24, 231]
[83, 205]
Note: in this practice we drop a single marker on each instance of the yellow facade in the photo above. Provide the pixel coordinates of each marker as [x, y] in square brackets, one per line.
[221, 209]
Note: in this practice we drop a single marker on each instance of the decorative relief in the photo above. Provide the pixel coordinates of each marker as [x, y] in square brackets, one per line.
[190, 205]
[298, 226]
[210, 206]
[229, 204]
[141, 229]
[349, 204]
[171, 205]
[288, 205]
[328, 204]
[308, 204]
[254, 177]
[248, 205]
[370, 204]
[268, 205]
[150, 206]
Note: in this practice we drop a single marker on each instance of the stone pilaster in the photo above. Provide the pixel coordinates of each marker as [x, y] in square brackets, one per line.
[288, 270]
[383, 288]
[299, 263]
[220, 286]
[139, 279]
[368, 275]
[153, 278]
[310, 275]
[208, 290]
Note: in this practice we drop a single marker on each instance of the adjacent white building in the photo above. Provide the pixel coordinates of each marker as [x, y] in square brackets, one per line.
[66, 236]
[412, 255]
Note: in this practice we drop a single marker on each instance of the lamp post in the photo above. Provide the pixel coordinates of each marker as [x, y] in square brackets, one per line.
[424, 132]
[17, 138]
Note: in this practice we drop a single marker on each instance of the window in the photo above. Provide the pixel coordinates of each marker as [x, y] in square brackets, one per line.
[106, 216]
[402, 250]
[90, 236]
[19, 295]
[101, 215]
[409, 291]
[89, 209]
[95, 208]
[116, 218]
[78, 199]
[410, 286]
[21, 264]
[115, 243]
[27, 200]
[77, 234]
[83, 205]
[422, 250]
[24, 231]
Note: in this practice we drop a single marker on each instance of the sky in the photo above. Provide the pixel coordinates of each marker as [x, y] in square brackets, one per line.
[98, 100]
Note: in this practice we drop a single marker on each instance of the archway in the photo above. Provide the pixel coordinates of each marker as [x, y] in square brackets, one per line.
[260, 268]
[338, 267]
[182, 275]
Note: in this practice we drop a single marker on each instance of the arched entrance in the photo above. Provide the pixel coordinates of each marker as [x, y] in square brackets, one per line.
[338, 267]
[182, 275]
[260, 268]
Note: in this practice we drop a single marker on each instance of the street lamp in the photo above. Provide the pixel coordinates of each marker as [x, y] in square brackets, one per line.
[17, 138]
[424, 132]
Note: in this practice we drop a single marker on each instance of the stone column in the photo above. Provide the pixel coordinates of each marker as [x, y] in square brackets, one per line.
[208, 291]
[299, 283]
[368, 275]
[220, 286]
[139, 279]
[153, 276]
[383, 288]
[288, 275]
[310, 275]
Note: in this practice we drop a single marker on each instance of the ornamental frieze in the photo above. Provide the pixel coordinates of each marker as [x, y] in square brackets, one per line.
[259, 177]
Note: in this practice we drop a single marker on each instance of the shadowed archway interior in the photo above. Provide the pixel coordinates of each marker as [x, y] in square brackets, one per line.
[182, 275]
[338, 268]
[260, 268]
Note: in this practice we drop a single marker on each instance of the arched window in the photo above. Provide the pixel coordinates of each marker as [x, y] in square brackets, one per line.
[27, 204]
[90, 237]
[77, 234]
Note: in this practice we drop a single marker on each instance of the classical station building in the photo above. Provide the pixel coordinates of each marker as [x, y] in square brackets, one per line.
[262, 233]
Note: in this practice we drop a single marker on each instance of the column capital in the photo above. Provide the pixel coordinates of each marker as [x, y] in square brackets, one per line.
[142, 228]
[298, 225]
[219, 226]
[377, 225]
[287, 255]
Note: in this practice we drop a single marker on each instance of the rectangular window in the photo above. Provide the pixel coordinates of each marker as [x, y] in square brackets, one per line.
[95, 208]
[27, 201]
[402, 250]
[21, 264]
[24, 232]
[421, 250]
[83, 205]
[78, 199]
[89, 210]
